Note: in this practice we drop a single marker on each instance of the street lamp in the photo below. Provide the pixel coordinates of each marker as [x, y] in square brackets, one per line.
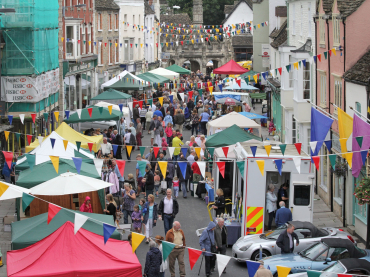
[74, 6]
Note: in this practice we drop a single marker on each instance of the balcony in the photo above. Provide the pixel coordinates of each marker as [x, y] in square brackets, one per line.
[287, 98]
[302, 111]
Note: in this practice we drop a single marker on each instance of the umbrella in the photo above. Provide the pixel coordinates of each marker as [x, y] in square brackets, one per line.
[69, 183]
[9, 191]
[210, 63]
[231, 102]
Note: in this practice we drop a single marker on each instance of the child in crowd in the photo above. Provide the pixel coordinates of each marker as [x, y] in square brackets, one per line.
[176, 184]
[168, 132]
[136, 219]
[157, 182]
[164, 146]
[131, 180]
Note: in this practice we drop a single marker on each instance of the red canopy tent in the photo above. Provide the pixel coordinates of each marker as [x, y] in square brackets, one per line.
[231, 67]
[64, 254]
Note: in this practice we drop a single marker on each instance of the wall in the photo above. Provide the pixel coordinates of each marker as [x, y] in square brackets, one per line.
[273, 20]
[150, 38]
[242, 14]
[260, 35]
[356, 93]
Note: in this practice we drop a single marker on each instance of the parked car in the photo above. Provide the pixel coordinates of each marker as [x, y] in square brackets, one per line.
[248, 247]
[345, 266]
[317, 256]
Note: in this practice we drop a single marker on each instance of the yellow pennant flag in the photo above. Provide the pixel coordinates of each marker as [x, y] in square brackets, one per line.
[349, 159]
[163, 167]
[192, 41]
[334, 51]
[116, 44]
[255, 78]
[261, 166]
[197, 150]
[136, 240]
[249, 78]
[6, 135]
[56, 114]
[160, 100]
[110, 107]
[268, 149]
[90, 42]
[62, 39]
[259, 26]
[295, 65]
[129, 149]
[191, 85]
[65, 143]
[345, 126]
[55, 162]
[166, 44]
[343, 145]
[141, 45]
[210, 89]
[3, 188]
[283, 271]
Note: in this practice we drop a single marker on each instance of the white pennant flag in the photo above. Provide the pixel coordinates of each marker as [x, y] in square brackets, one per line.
[171, 150]
[40, 138]
[297, 163]
[79, 111]
[79, 221]
[98, 165]
[130, 105]
[202, 167]
[99, 43]
[202, 40]
[125, 45]
[182, 95]
[177, 43]
[272, 73]
[222, 261]
[21, 116]
[313, 146]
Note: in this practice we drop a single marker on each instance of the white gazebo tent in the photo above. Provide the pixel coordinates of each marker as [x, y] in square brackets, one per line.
[230, 119]
[119, 77]
[165, 73]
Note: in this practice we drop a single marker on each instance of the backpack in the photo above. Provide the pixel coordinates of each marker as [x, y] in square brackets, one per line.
[132, 140]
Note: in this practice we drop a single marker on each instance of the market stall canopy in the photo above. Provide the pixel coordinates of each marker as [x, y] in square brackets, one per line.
[129, 83]
[125, 110]
[210, 63]
[153, 78]
[229, 120]
[45, 171]
[112, 94]
[96, 115]
[123, 74]
[63, 253]
[249, 73]
[252, 115]
[229, 136]
[31, 230]
[243, 85]
[178, 69]
[226, 101]
[72, 136]
[165, 73]
[10, 191]
[231, 67]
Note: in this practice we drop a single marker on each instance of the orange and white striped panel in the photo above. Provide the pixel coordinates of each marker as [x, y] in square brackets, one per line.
[254, 220]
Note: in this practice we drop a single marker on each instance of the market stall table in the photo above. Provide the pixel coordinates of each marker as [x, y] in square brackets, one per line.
[233, 232]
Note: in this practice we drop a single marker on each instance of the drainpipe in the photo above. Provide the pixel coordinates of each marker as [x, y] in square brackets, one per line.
[368, 206]
[316, 174]
[344, 103]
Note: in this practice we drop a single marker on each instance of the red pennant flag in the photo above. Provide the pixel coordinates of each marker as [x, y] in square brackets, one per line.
[193, 256]
[155, 149]
[319, 57]
[182, 43]
[29, 139]
[156, 44]
[298, 145]
[105, 44]
[90, 111]
[190, 94]
[90, 144]
[344, 275]
[316, 160]
[8, 158]
[221, 168]
[141, 104]
[33, 115]
[239, 82]
[121, 166]
[280, 69]
[226, 150]
[52, 211]
[330, 53]
[258, 76]
[131, 45]
[198, 85]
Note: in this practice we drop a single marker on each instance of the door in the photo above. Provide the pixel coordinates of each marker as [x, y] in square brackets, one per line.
[301, 201]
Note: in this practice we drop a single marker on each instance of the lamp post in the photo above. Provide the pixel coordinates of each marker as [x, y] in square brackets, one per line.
[74, 6]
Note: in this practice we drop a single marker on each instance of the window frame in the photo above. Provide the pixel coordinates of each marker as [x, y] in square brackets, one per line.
[309, 20]
[110, 22]
[338, 89]
[110, 52]
[117, 50]
[294, 129]
[336, 30]
[294, 21]
[323, 88]
[100, 22]
[322, 29]
[116, 19]
[100, 53]
[309, 195]
[306, 70]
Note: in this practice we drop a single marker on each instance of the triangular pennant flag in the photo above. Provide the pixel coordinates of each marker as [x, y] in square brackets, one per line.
[120, 106]
[40, 139]
[171, 150]
[160, 99]
[78, 145]
[101, 110]
[115, 147]
[56, 115]
[29, 139]
[282, 148]
[313, 146]
[316, 161]
[298, 146]
[79, 111]
[80, 220]
[21, 117]
[110, 107]
[46, 116]
[210, 150]
[67, 114]
[166, 249]
[6, 135]
[222, 261]
[121, 166]
[142, 150]
[31, 160]
[10, 118]
[184, 151]
[333, 159]
[78, 163]
[225, 150]
[202, 167]
[33, 116]
[268, 149]
[108, 231]
[364, 156]
[241, 165]
[52, 140]
[359, 141]
[349, 156]
[261, 166]
[52, 211]
[65, 143]
[283, 271]
[328, 144]
[252, 267]
[142, 166]
[55, 162]
[254, 149]
[279, 164]
[98, 165]
[90, 111]
[221, 168]
[136, 240]
[183, 167]
[155, 151]
[194, 255]
[17, 136]
[163, 167]
[297, 163]
[90, 145]
[197, 151]
[26, 200]
[3, 188]
[313, 273]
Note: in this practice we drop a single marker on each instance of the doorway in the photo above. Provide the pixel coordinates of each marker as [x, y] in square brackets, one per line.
[194, 65]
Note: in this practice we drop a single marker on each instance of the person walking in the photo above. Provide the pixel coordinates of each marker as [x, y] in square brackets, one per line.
[271, 204]
[168, 119]
[194, 122]
[167, 210]
[283, 215]
[148, 119]
[221, 238]
[183, 179]
[139, 132]
[129, 197]
[154, 125]
[285, 240]
[136, 114]
[176, 142]
[112, 207]
[204, 118]
[153, 261]
[176, 236]
[219, 205]
[142, 116]
[148, 180]
[179, 120]
[149, 218]
[164, 265]
[262, 271]
[283, 194]
[208, 245]
[170, 173]
[130, 140]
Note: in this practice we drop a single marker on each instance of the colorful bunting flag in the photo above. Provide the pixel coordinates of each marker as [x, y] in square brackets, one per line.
[241, 166]
[6, 135]
[349, 157]
[90, 145]
[225, 150]
[254, 149]
[31, 160]
[297, 163]
[328, 145]
[202, 167]
[78, 163]
[298, 146]
[222, 261]
[136, 240]
[26, 200]
[121, 166]
[282, 148]
[56, 115]
[364, 156]
[110, 108]
[359, 141]
[283, 271]
[316, 160]
[52, 140]
[52, 211]
[311, 273]
[129, 150]
[65, 143]
[108, 231]
[279, 164]
[155, 151]
[78, 144]
[167, 249]
[221, 168]
[33, 116]
[21, 117]
[10, 118]
[261, 166]
[252, 267]
[268, 149]
[163, 167]
[55, 162]
[80, 220]
[90, 111]
[194, 255]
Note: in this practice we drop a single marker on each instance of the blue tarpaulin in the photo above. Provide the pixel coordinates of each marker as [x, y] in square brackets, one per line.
[252, 115]
[236, 97]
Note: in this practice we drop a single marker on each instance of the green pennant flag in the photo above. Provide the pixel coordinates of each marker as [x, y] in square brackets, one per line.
[167, 248]
[26, 200]
[282, 148]
[31, 160]
[78, 144]
[17, 136]
[333, 159]
[200, 92]
[150, 101]
[211, 150]
[241, 165]
[300, 63]
[246, 80]
[162, 44]
[46, 115]
[142, 150]
[287, 67]
[136, 45]
[254, 26]
[326, 55]
[142, 166]
[359, 141]
[276, 71]
[313, 273]
[101, 110]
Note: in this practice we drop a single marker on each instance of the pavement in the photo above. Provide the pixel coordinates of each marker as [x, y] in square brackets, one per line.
[193, 215]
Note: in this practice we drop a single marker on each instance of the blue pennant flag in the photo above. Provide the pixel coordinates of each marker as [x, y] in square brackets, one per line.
[279, 164]
[252, 267]
[171, 98]
[315, 58]
[10, 117]
[320, 126]
[262, 24]
[254, 149]
[184, 151]
[363, 156]
[183, 167]
[120, 106]
[67, 114]
[328, 144]
[107, 231]
[304, 63]
[220, 87]
[52, 140]
[115, 147]
[78, 163]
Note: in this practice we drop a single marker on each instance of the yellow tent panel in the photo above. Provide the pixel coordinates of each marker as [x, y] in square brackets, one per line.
[72, 136]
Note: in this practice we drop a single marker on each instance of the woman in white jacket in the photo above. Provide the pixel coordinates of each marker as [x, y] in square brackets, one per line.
[271, 200]
[158, 240]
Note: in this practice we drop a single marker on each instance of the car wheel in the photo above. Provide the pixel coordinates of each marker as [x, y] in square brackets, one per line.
[256, 255]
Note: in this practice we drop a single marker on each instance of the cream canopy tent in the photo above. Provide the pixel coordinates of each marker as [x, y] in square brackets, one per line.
[229, 120]
[119, 77]
[125, 110]
[165, 73]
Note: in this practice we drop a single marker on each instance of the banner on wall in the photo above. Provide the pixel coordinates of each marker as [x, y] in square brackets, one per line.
[29, 89]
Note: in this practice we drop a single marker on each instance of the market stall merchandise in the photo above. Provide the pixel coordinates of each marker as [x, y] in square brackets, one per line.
[63, 253]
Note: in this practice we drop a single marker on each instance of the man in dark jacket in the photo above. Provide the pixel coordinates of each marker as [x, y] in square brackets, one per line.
[286, 240]
[168, 209]
[191, 105]
[179, 120]
[136, 114]
[149, 181]
[153, 261]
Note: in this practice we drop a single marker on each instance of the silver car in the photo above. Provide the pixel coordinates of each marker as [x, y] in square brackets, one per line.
[249, 247]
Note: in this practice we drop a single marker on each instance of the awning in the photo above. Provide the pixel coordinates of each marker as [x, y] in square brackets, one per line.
[165, 73]
[112, 94]
[178, 69]
[231, 67]
[119, 77]
[153, 78]
[258, 95]
[98, 114]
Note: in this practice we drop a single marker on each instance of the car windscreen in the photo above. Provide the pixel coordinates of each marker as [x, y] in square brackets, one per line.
[313, 251]
[333, 270]
[274, 234]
